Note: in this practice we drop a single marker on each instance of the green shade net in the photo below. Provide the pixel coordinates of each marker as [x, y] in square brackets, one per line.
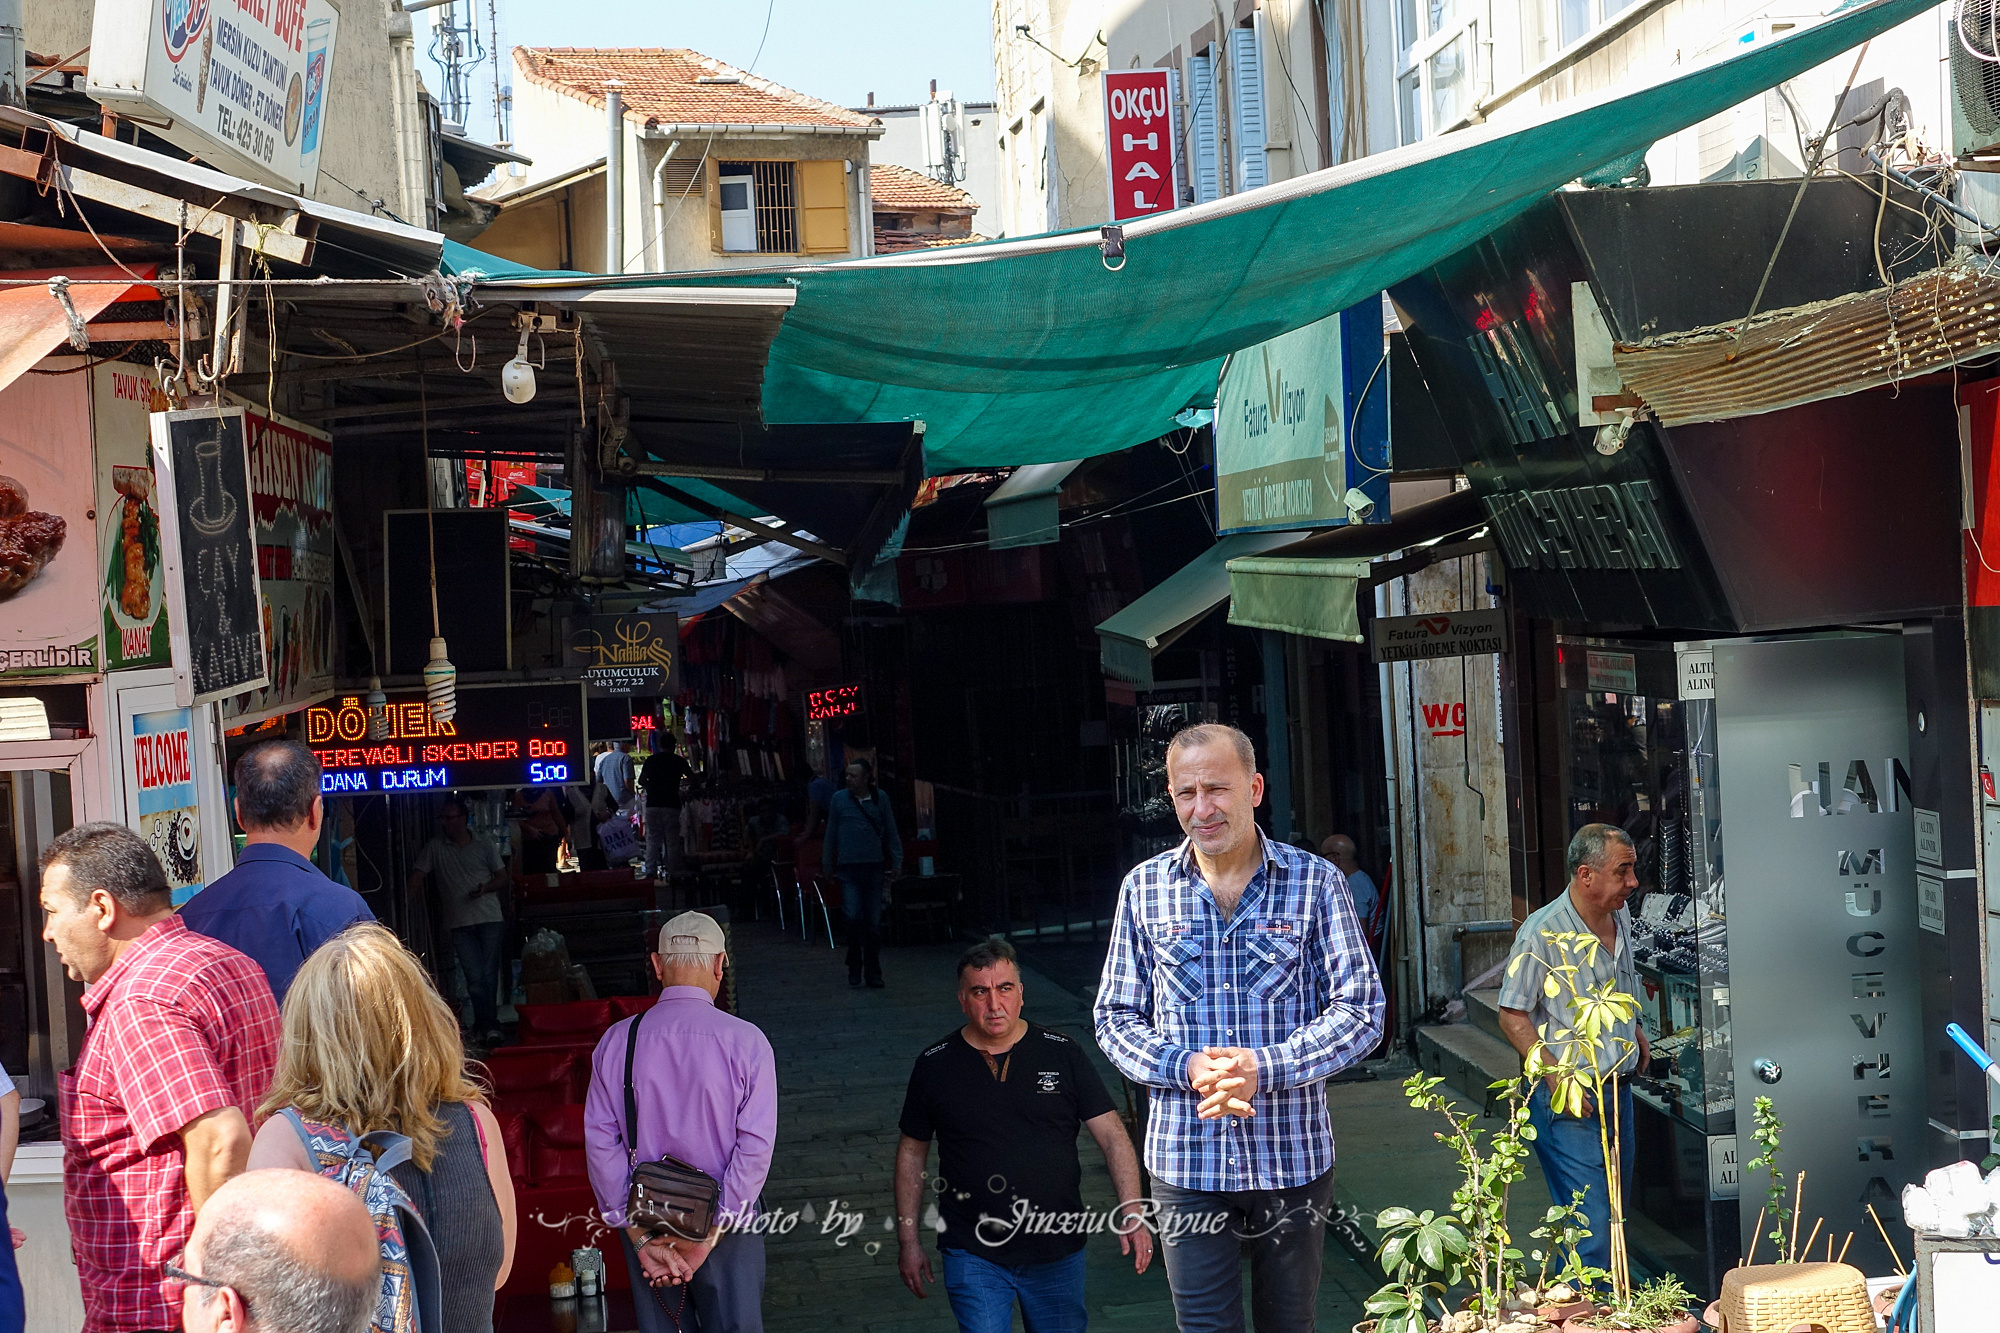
[1032, 351]
[1310, 597]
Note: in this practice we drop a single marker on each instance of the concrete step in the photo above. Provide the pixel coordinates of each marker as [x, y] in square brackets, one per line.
[1482, 1010]
[1467, 1058]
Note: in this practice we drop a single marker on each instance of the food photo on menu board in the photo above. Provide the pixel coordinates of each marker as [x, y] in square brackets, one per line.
[48, 587]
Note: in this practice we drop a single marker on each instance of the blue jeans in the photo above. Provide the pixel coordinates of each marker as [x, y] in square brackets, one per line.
[478, 950]
[1572, 1159]
[726, 1295]
[1205, 1237]
[983, 1294]
[861, 908]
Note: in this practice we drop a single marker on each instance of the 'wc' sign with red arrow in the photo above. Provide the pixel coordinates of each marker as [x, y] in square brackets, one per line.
[1456, 634]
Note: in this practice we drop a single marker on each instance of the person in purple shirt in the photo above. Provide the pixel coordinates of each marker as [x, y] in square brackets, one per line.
[275, 905]
[706, 1086]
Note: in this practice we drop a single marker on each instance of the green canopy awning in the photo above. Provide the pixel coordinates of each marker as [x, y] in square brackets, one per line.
[1032, 351]
[1310, 597]
[1127, 641]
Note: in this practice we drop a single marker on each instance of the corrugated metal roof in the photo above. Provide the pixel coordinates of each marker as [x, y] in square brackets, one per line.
[1824, 350]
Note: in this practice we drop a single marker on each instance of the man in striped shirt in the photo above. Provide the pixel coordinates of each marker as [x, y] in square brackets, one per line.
[1237, 982]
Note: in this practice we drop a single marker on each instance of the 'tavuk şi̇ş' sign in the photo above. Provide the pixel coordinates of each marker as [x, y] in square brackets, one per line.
[240, 83]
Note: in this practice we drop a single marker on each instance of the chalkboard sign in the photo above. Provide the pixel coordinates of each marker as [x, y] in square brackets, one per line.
[215, 606]
[472, 588]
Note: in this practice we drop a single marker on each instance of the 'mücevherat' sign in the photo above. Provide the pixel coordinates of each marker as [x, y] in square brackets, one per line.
[1450, 634]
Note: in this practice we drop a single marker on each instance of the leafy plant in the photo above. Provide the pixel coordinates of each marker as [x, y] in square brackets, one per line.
[1768, 1131]
[1583, 1057]
[1566, 1227]
[1664, 1300]
[1992, 1160]
[1413, 1245]
[1426, 1253]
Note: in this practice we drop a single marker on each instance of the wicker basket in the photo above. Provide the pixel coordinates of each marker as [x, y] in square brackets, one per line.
[1772, 1298]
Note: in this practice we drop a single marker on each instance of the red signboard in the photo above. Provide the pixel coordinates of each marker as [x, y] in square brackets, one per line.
[1139, 142]
[835, 702]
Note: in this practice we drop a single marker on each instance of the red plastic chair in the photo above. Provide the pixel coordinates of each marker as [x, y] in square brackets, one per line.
[555, 1144]
[825, 892]
[526, 1078]
[563, 1024]
[514, 1139]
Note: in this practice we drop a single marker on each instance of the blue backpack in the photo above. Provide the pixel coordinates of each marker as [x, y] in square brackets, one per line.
[412, 1297]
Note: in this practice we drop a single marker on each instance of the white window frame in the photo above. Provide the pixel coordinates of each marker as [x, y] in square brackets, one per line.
[1414, 58]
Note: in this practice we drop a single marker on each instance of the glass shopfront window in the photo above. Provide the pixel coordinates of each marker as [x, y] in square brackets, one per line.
[1639, 757]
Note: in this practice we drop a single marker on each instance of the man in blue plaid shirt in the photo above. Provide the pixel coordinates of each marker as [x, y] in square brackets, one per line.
[1238, 981]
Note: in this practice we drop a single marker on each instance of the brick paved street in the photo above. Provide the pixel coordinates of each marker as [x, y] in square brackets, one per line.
[843, 1059]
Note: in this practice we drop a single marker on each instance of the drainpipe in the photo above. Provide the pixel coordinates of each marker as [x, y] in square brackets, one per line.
[657, 197]
[13, 54]
[614, 177]
[867, 213]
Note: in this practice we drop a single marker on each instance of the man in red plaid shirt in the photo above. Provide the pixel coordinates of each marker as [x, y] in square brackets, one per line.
[182, 1042]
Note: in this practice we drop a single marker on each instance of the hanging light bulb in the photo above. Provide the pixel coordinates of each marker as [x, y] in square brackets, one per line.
[517, 377]
[378, 710]
[441, 683]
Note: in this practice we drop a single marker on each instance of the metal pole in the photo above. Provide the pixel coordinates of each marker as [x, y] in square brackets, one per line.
[614, 177]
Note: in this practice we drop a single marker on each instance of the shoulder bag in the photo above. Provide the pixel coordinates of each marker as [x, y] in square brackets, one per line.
[881, 832]
[669, 1196]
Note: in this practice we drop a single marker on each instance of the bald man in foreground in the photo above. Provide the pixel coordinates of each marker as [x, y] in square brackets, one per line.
[280, 1251]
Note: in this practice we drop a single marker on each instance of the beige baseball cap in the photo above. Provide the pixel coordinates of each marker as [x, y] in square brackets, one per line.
[692, 933]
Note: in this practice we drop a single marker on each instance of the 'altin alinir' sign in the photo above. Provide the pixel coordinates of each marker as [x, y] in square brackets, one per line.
[1583, 527]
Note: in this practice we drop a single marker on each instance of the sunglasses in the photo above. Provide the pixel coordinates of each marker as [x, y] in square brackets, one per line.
[175, 1273]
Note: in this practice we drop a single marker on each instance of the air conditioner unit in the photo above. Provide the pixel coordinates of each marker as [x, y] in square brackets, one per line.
[1975, 84]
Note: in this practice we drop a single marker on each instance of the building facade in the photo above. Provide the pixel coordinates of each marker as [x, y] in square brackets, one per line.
[717, 168]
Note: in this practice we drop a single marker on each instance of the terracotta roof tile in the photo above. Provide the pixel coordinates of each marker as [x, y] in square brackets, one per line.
[901, 190]
[664, 84]
[895, 242]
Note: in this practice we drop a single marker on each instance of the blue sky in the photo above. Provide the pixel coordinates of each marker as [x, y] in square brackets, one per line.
[837, 49]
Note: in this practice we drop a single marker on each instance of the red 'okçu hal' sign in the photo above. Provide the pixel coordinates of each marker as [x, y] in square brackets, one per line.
[1139, 142]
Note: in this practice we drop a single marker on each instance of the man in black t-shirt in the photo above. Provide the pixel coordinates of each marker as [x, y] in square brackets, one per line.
[661, 780]
[1004, 1100]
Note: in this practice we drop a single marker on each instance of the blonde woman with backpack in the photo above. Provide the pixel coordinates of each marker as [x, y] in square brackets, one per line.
[371, 1050]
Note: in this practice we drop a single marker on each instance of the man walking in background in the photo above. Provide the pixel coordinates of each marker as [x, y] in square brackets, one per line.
[182, 1042]
[1339, 849]
[614, 770]
[1004, 1099]
[661, 780]
[470, 880]
[1602, 875]
[280, 1251]
[705, 1085]
[275, 905]
[1238, 980]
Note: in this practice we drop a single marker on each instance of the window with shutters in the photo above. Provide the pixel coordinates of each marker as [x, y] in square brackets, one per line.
[1246, 80]
[1205, 147]
[778, 208]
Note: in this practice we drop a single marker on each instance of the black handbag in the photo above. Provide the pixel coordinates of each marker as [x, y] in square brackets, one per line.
[668, 1197]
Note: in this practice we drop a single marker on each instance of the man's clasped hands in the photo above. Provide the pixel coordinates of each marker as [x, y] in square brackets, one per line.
[1226, 1078]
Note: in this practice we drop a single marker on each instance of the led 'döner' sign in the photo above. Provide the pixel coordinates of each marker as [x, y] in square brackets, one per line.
[502, 736]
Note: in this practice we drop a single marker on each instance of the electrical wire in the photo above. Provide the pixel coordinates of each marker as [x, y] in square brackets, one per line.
[768, 10]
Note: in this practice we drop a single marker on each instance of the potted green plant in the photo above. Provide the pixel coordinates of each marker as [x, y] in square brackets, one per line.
[1428, 1254]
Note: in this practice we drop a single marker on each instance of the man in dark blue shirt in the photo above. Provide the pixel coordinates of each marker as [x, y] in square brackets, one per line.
[275, 905]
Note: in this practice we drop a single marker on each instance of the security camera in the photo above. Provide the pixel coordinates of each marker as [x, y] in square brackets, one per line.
[1359, 506]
